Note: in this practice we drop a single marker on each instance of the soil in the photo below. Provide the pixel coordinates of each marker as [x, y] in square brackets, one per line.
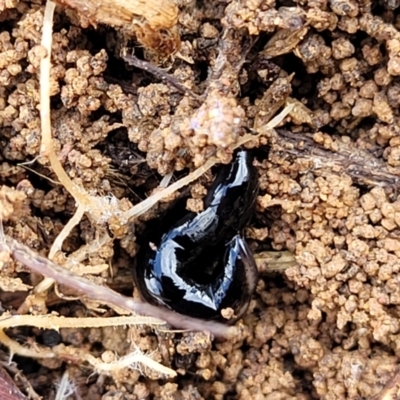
[324, 328]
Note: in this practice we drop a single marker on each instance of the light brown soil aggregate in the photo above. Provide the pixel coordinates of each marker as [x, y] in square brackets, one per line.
[325, 328]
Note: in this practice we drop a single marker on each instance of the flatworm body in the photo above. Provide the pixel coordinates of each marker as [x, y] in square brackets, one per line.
[202, 264]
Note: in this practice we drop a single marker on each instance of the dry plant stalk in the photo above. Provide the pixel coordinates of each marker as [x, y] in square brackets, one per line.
[359, 164]
[56, 322]
[159, 73]
[131, 360]
[105, 295]
[154, 23]
[94, 206]
[156, 197]
[16, 348]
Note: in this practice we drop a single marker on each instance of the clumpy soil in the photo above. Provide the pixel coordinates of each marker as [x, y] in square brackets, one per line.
[325, 328]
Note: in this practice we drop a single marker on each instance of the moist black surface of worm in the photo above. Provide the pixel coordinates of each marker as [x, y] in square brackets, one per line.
[202, 264]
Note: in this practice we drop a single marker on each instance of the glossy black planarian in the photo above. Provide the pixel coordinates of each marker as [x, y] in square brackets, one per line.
[202, 263]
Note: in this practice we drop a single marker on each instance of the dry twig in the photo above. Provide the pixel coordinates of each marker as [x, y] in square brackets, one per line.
[358, 163]
[161, 74]
[103, 294]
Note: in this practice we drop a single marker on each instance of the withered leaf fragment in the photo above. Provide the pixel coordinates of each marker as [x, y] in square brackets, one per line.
[284, 41]
[151, 21]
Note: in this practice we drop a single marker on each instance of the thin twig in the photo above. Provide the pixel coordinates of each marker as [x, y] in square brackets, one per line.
[47, 140]
[360, 164]
[57, 322]
[145, 205]
[91, 204]
[57, 244]
[53, 322]
[130, 360]
[16, 348]
[161, 74]
[47, 283]
[104, 295]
